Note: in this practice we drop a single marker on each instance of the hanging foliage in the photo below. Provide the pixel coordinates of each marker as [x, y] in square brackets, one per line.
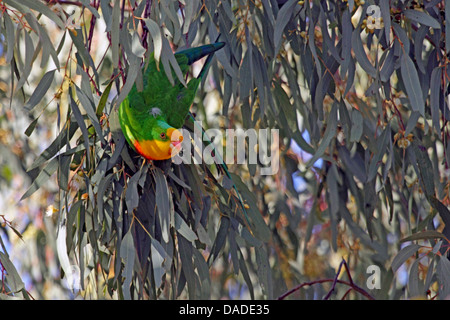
[355, 165]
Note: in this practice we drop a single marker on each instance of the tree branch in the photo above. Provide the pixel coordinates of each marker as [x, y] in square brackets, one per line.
[335, 281]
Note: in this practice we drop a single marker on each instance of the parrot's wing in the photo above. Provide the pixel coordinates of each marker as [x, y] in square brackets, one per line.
[185, 97]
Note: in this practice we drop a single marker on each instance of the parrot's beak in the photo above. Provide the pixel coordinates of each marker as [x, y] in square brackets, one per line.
[175, 140]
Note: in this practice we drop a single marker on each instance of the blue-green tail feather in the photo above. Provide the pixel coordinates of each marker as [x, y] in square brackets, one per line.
[195, 54]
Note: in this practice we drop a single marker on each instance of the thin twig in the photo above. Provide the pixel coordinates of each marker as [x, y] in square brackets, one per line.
[354, 287]
[335, 281]
[343, 263]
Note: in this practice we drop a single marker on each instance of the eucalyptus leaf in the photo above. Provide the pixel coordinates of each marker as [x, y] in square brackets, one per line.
[422, 17]
[42, 177]
[42, 8]
[40, 90]
[13, 279]
[427, 234]
[115, 24]
[282, 19]
[403, 255]
[328, 136]
[127, 254]
[412, 84]
[162, 202]
[360, 54]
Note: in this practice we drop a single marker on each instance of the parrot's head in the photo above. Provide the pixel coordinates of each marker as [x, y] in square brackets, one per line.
[165, 144]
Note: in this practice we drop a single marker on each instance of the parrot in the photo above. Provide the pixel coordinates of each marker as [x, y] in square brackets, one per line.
[150, 119]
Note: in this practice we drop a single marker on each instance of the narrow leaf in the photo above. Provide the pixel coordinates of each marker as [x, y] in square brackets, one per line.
[131, 195]
[447, 26]
[13, 279]
[443, 275]
[259, 226]
[29, 130]
[360, 54]
[414, 283]
[115, 24]
[219, 242]
[10, 38]
[264, 272]
[60, 141]
[422, 17]
[435, 91]
[103, 100]
[155, 34]
[283, 17]
[42, 178]
[162, 202]
[127, 253]
[424, 235]
[426, 175]
[81, 124]
[182, 227]
[187, 266]
[412, 84]
[328, 136]
[403, 255]
[386, 15]
[159, 261]
[44, 9]
[40, 90]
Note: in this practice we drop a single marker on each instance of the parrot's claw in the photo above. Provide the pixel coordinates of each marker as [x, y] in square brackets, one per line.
[155, 112]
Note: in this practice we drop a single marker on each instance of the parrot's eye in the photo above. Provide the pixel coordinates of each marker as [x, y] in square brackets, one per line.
[163, 135]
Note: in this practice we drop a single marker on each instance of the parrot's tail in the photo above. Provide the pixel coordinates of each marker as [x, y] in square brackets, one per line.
[194, 54]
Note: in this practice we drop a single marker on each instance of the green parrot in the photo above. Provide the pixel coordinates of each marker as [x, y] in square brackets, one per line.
[150, 119]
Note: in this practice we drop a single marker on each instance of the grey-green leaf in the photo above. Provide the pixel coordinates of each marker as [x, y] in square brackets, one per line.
[443, 275]
[426, 175]
[127, 253]
[42, 178]
[264, 272]
[360, 54]
[328, 136]
[435, 88]
[414, 283]
[424, 235]
[10, 38]
[357, 125]
[132, 196]
[162, 202]
[155, 34]
[422, 17]
[182, 227]
[44, 9]
[412, 84]
[158, 256]
[282, 20]
[403, 255]
[12, 278]
[115, 24]
[40, 90]
[447, 26]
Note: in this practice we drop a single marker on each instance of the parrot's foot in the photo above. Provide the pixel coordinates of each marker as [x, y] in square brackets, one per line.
[155, 112]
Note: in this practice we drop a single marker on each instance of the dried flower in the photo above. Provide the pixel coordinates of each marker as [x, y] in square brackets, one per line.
[50, 211]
